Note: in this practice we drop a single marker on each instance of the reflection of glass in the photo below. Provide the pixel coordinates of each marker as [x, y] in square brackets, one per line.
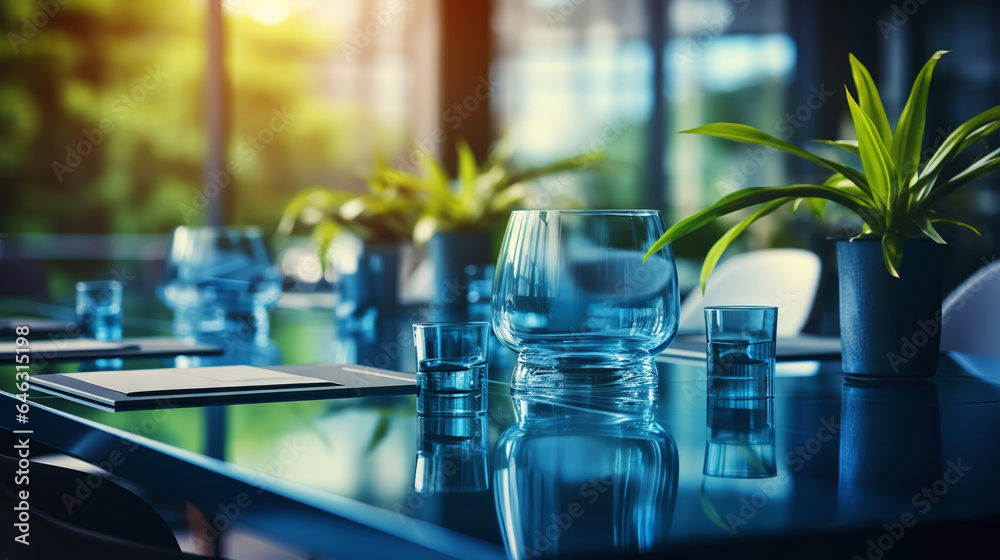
[451, 367]
[217, 276]
[740, 438]
[572, 296]
[584, 476]
[890, 448]
[741, 342]
[99, 309]
[451, 454]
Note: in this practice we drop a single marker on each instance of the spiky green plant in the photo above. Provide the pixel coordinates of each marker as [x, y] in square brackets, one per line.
[893, 194]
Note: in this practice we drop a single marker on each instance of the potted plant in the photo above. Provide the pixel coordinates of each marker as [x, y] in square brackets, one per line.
[891, 273]
[453, 218]
[459, 215]
[378, 223]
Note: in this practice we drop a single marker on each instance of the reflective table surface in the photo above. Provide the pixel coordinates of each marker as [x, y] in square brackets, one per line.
[852, 466]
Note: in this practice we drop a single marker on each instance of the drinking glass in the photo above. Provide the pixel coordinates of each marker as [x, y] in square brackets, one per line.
[451, 367]
[99, 309]
[572, 296]
[741, 340]
[219, 276]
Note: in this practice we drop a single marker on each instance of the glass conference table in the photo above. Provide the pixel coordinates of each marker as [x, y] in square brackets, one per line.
[843, 467]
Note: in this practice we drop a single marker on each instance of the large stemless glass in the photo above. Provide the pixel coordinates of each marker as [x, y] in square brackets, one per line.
[572, 297]
[218, 278]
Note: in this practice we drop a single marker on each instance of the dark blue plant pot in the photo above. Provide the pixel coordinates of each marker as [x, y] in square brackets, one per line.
[367, 283]
[890, 327]
[451, 253]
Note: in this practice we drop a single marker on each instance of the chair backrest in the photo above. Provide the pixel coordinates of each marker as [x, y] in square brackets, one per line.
[970, 315]
[786, 278]
[74, 513]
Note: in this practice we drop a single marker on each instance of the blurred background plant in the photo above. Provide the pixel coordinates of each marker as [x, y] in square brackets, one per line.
[402, 205]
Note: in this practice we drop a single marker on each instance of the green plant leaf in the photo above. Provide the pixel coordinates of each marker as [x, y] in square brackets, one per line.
[500, 154]
[966, 134]
[983, 166]
[381, 430]
[424, 229]
[575, 163]
[909, 134]
[322, 235]
[437, 178]
[869, 100]
[936, 217]
[817, 205]
[876, 161]
[752, 196]
[709, 510]
[508, 199]
[849, 145]
[892, 251]
[467, 170]
[321, 199]
[749, 134]
[979, 135]
[924, 224]
[727, 238]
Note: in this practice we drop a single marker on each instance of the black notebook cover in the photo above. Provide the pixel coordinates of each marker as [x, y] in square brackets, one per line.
[222, 385]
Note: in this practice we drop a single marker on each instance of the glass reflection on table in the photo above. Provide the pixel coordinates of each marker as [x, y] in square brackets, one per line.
[451, 454]
[584, 473]
[740, 438]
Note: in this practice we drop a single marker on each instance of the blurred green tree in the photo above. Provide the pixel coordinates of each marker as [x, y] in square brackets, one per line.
[101, 113]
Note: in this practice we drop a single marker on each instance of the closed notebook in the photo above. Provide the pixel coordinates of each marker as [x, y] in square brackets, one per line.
[222, 385]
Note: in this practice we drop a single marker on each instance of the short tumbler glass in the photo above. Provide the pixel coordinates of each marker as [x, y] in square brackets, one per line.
[741, 342]
[575, 296]
[99, 309]
[451, 367]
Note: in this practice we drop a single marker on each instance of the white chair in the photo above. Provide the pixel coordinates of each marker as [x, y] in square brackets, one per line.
[970, 315]
[786, 278]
